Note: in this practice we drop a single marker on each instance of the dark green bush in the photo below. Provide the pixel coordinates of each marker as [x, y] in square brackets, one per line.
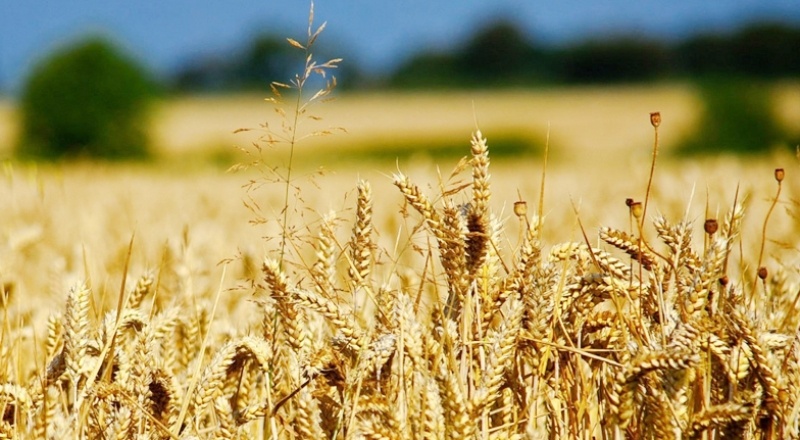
[737, 117]
[87, 101]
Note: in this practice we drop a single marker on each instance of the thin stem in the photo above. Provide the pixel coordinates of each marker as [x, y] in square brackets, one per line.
[659, 292]
[652, 166]
[544, 176]
[292, 141]
[764, 232]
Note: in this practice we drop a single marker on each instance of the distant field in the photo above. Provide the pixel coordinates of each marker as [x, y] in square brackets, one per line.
[585, 123]
[590, 122]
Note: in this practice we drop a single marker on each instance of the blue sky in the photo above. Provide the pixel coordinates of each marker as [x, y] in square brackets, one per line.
[378, 34]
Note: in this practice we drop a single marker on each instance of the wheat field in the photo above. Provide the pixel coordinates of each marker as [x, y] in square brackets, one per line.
[426, 302]
[596, 291]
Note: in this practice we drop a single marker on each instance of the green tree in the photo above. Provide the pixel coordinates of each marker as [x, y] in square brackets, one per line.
[500, 54]
[428, 70]
[266, 58]
[765, 50]
[88, 100]
[623, 59]
[497, 55]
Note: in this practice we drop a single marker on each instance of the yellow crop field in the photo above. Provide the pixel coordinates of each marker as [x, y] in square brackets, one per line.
[584, 122]
[580, 120]
[603, 295]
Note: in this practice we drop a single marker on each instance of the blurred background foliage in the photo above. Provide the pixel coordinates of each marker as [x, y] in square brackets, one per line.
[88, 99]
[502, 55]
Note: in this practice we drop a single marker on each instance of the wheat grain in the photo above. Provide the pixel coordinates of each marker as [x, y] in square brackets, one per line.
[361, 244]
[76, 332]
[717, 417]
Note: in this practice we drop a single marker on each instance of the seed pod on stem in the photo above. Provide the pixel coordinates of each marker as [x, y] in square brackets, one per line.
[711, 226]
[655, 119]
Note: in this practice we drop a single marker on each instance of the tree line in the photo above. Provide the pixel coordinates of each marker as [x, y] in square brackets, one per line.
[502, 55]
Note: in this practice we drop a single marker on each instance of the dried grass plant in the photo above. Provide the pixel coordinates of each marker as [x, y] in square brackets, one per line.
[457, 332]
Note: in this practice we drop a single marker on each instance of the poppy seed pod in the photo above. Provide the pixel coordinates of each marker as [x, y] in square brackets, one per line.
[655, 119]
